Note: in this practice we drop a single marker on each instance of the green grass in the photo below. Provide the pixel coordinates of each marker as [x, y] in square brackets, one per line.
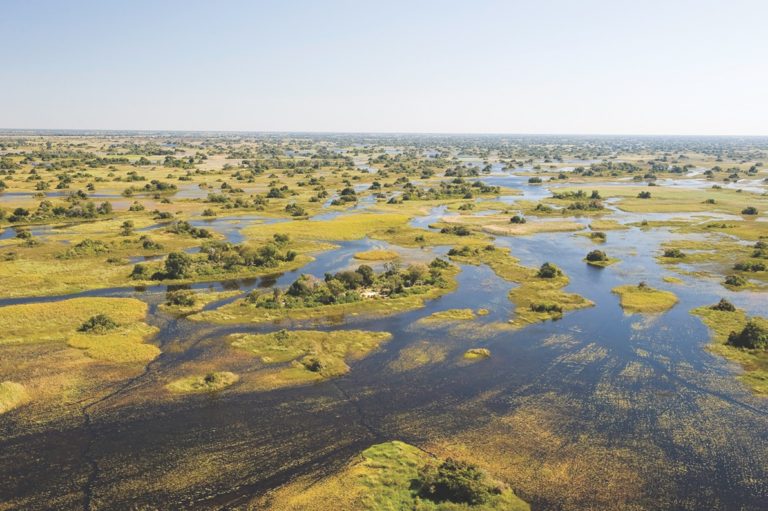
[531, 289]
[477, 353]
[307, 355]
[12, 395]
[240, 311]
[450, 315]
[754, 362]
[377, 255]
[343, 228]
[59, 322]
[602, 264]
[636, 299]
[208, 382]
[381, 479]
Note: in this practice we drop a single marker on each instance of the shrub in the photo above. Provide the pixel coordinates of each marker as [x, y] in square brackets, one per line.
[597, 255]
[753, 336]
[598, 235]
[457, 230]
[723, 305]
[674, 252]
[548, 271]
[455, 481]
[735, 281]
[517, 219]
[180, 298]
[98, 324]
[644, 195]
[749, 211]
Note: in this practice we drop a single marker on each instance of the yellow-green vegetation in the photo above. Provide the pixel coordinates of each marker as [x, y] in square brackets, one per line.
[644, 299]
[477, 353]
[672, 280]
[450, 315]
[342, 228]
[307, 355]
[536, 298]
[603, 263]
[500, 224]
[60, 321]
[721, 324]
[187, 302]
[208, 382]
[377, 255]
[398, 476]
[420, 354]
[242, 311]
[676, 199]
[12, 395]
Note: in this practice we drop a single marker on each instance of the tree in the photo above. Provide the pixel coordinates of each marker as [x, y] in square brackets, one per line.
[548, 271]
[597, 255]
[753, 336]
[127, 228]
[177, 265]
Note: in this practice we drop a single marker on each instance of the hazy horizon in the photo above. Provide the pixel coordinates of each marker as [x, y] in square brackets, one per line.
[490, 67]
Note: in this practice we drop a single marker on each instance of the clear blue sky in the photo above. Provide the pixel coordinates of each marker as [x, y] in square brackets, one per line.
[593, 66]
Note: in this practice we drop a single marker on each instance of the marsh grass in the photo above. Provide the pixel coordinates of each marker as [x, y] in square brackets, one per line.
[477, 353]
[307, 355]
[208, 382]
[381, 478]
[12, 395]
[643, 299]
[377, 255]
[754, 362]
[536, 299]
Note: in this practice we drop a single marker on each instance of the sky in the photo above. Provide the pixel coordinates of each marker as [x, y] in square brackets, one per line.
[477, 66]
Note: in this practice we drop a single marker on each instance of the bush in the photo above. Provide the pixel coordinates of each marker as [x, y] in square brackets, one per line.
[180, 298]
[517, 219]
[735, 281]
[457, 230]
[753, 336]
[98, 324]
[723, 305]
[598, 235]
[644, 195]
[547, 307]
[548, 271]
[597, 255]
[749, 211]
[674, 252]
[177, 265]
[455, 481]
